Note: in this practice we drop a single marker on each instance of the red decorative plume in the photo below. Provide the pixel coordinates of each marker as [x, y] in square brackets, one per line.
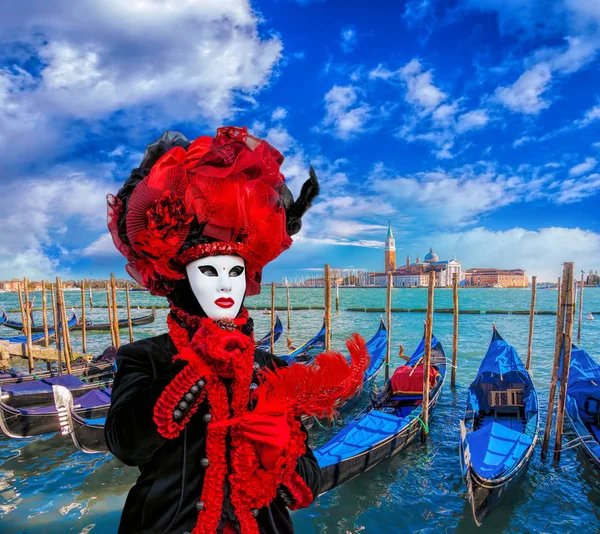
[316, 389]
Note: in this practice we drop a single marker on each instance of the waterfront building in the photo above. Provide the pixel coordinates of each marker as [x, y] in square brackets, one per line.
[11, 285]
[415, 274]
[390, 250]
[491, 277]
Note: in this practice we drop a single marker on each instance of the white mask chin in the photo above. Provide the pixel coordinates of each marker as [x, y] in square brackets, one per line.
[219, 284]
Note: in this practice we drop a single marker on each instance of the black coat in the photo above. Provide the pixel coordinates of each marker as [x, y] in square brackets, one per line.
[164, 497]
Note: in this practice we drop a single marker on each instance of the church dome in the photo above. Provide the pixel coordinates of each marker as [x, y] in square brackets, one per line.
[431, 256]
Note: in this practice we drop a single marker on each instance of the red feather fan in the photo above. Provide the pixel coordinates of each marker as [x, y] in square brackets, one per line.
[316, 389]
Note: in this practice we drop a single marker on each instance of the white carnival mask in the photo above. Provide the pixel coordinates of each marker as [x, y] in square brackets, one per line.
[219, 284]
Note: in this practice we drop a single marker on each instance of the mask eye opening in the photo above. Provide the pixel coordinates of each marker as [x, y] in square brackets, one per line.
[236, 271]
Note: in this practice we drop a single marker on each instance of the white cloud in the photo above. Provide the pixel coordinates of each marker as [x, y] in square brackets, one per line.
[346, 115]
[322, 241]
[457, 197]
[49, 213]
[184, 60]
[444, 114]
[525, 95]
[279, 114]
[572, 190]
[349, 40]
[102, 247]
[420, 90]
[584, 167]
[540, 252]
[590, 116]
[472, 120]
[345, 228]
[523, 140]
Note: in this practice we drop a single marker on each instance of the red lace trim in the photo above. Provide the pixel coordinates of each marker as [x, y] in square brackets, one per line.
[300, 492]
[171, 397]
[217, 248]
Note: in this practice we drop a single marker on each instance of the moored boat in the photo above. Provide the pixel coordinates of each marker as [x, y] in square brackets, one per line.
[583, 402]
[309, 351]
[39, 338]
[88, 370]
[385, 427]
[86, 427]
[265, 342]
[376, 346]
[500, 427]
[90, 326]
[27, 409]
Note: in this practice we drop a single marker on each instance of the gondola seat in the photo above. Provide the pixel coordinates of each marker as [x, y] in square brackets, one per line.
[355, 439]
[591, 407]
[495, 449]
[509, 401]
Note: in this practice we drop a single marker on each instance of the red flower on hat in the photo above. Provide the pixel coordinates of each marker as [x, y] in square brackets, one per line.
[168, 215]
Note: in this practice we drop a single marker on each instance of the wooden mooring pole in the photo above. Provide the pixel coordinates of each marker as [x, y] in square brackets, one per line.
[66, 335]
[531, 322]
[569, 309]
[44, 312]
[455, 330]
[272, 344]
[22, 308]
[128, 303]
[110, 316]
[427, 355]
[113, 285]
[560, 321]
[337, 296]
[388, 321]
[83, 323]
[580, 309]
[289, 309]
[27, 324]
[55, 317]
[327, 288]
[91, 299]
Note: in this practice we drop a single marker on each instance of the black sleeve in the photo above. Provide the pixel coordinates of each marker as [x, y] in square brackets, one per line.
[130, 431]
[308, 468]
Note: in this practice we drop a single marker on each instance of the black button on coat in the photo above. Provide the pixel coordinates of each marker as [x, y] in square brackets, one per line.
[165, 496]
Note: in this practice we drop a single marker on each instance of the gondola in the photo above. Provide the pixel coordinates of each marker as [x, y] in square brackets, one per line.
[36, 420]
[39, 392]
[37, 339]
[583, 402]
[500, 427]
[265, 342]
[384, 428]
[85, 428]
[90, 326]
[29, 410]
[376, 346]
[309, 351]
[87, 370]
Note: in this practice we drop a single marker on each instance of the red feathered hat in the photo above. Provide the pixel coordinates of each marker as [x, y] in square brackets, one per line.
[221, 195]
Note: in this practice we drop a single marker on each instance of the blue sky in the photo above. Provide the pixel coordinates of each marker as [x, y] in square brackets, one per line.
[471, 125]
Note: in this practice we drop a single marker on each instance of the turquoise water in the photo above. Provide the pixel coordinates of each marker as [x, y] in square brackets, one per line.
[45, 483]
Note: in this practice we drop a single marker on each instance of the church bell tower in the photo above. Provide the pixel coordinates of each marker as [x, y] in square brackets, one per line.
[390, 250]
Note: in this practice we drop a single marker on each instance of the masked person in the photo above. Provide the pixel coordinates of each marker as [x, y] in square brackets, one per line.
[213, 423]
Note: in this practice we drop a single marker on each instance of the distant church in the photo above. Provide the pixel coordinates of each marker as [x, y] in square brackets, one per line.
[415, 274]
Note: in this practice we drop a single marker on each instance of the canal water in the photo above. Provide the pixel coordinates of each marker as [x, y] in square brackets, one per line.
[47, 486]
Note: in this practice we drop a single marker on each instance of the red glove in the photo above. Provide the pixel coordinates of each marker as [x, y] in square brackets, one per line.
[271, 434]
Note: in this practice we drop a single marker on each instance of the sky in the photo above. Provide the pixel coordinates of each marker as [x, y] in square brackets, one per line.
[473, 126]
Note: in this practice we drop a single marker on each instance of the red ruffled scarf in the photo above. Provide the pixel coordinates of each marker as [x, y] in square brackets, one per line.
[214, 353]
[222, 351]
